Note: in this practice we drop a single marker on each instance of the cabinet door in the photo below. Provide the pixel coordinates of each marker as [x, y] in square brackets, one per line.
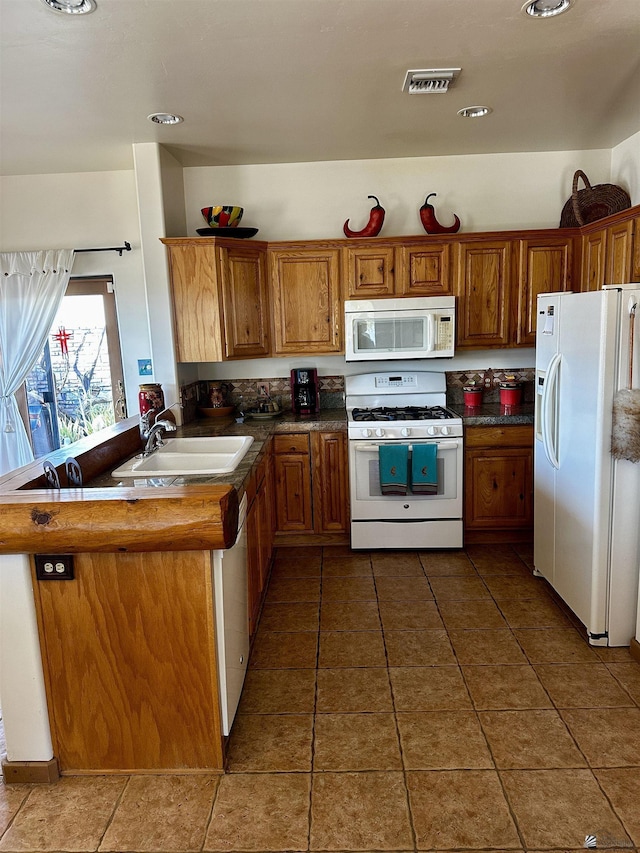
[543, 267]
[244, 288]
[483, 282]
[593, 260]
[292, 467]
[635, 253]
[196, 303]
[307, 311]
[425, 270]
[500, 487]
[330, 484]
[369, 271]
[619, 255]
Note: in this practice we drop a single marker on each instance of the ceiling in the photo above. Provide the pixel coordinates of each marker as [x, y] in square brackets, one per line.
[270, 81]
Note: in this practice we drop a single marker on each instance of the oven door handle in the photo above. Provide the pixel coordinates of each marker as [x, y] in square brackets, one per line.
[442, 445]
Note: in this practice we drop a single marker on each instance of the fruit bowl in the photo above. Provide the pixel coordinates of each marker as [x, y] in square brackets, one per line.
[222, 216]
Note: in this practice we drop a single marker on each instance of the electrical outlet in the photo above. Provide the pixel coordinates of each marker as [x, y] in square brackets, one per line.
[54, 567]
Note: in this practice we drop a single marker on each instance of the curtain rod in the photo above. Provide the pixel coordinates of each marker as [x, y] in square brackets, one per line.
[118, 249]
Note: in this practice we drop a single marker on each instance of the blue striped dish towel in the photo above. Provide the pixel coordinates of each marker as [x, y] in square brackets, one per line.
[393, 460]
[424, 469]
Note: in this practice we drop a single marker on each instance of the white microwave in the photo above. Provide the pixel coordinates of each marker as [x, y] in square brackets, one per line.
[381, 329]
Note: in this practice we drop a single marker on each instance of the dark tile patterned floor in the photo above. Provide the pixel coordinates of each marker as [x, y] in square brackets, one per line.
[394, 702]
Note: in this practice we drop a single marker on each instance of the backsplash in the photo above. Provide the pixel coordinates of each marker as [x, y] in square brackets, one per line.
[490, 380]
[245, 392]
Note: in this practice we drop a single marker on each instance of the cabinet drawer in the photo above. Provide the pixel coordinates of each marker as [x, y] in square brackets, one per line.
[499, 436]
[295, 443]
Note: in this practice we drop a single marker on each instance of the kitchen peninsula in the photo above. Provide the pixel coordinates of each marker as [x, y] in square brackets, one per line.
[128, 647]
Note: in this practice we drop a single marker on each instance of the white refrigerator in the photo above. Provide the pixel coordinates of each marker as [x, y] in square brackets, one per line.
[587, 504]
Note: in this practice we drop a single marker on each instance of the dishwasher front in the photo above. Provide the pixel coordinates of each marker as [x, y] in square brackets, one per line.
[232, 619]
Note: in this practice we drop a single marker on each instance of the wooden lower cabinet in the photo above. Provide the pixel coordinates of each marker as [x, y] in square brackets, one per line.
[260, 531]
[292, 466]
[330, 484]
[130, 664]
[498, 483]
[311, 487]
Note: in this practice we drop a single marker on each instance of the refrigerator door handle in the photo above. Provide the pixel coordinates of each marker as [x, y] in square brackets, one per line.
[549, 411]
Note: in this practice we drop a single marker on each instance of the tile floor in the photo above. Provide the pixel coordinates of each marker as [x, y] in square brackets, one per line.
[394, 702]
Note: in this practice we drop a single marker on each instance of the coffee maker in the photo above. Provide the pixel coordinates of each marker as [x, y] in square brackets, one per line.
[305, 399]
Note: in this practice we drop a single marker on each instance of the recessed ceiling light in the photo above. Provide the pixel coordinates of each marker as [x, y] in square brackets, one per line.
[546, 8]
[474, 112]
[165, 118]
[71, 7]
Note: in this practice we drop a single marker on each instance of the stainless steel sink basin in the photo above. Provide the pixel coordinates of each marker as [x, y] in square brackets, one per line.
[183, 456]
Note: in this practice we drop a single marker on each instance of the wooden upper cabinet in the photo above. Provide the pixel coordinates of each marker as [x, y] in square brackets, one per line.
[593, 260]
[619, 255]
[197, 303]
[243, 273]
[483, 284]
[369, 271]
[424, 270]
[306, 301]
[402, 269]
[635, 254]
[544, 266]
[219, 295]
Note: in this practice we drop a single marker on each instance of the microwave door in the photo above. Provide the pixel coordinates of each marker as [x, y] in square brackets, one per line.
[389, 336]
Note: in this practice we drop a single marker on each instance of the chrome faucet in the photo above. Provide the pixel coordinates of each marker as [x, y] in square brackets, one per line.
[155, 437]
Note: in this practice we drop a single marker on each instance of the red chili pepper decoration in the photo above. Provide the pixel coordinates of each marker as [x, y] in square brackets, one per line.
[373, 226]
[431, 224]
[63, 337]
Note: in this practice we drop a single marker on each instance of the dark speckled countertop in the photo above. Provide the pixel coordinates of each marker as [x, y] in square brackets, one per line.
[494, 414]
[489, 414]
[331, 420]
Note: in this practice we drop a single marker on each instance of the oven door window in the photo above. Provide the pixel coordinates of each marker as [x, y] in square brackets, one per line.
[392, 334]
[367, 500]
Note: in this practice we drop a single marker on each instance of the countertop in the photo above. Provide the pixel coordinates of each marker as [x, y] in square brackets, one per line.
[494, 414]
[489, 414]
[331, 420]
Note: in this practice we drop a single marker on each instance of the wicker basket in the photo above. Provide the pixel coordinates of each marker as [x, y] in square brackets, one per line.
[592, 203]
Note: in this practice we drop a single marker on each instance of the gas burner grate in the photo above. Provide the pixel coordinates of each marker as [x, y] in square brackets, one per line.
[404, 413]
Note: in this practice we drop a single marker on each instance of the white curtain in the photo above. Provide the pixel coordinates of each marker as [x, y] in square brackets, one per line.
[32, 285]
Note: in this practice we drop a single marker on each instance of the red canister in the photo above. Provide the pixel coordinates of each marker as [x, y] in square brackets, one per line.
[472, 396]
[510, 393]
[150, 398]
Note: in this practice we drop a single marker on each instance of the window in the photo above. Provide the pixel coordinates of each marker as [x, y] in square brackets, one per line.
[76, 388]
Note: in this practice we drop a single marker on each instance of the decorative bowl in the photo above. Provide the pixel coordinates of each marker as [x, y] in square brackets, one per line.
[219, 412]
[222, 216]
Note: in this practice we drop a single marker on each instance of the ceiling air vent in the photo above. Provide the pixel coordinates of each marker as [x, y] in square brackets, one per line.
[430, 81]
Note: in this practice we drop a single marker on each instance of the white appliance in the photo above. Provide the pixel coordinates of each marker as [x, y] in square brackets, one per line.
[409, 407]
[587, 504]
[381, 329]
[232, 619]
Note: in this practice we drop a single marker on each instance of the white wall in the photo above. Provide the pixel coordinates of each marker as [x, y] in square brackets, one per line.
[86, 210]
[625, 166]
[313, 200]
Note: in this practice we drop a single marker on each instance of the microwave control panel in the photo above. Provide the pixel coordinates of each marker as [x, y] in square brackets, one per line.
[444, 333]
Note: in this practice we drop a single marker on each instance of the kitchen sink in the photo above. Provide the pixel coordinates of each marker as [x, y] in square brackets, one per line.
[184, 456]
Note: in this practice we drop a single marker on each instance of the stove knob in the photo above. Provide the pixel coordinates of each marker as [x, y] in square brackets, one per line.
[379, 432]
[445, 430]
[366, 433]
[406, 431]
[432, 430]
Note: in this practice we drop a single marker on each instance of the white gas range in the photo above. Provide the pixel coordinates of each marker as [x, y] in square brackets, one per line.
[406, 407]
